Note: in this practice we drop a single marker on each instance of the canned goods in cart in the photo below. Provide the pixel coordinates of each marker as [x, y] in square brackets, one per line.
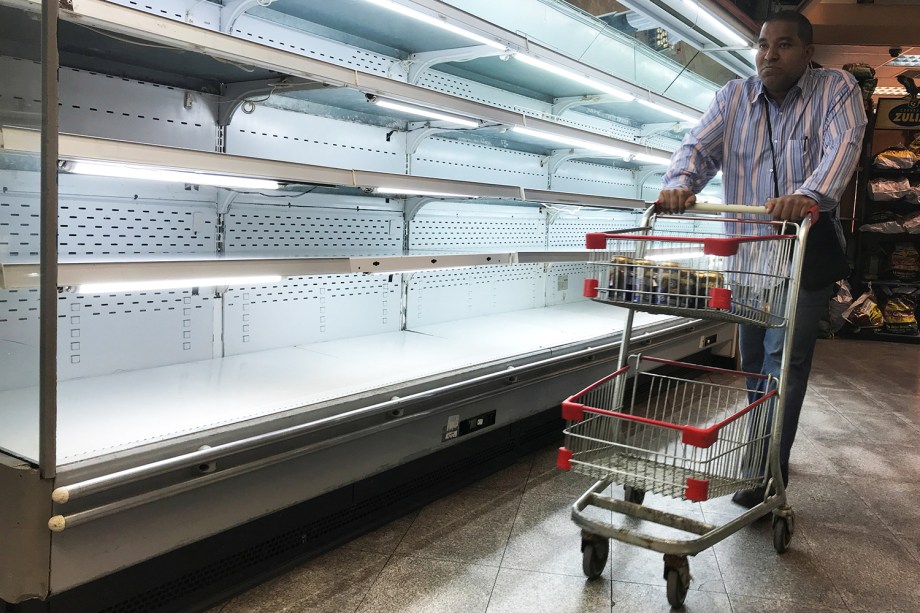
[620, 278]
[669, 275]
[645, 281]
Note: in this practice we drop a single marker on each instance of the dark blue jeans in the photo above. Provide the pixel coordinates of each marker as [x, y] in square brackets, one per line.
[762, 351]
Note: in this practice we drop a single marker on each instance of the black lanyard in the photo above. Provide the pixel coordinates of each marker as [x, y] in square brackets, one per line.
[766, 109]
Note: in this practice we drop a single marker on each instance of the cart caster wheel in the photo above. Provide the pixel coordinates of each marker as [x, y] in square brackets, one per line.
[677, 575]
[782, 533]
[594, 556]
[633, 494]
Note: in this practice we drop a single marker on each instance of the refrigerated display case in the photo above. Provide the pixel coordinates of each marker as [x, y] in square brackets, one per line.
[317, 263]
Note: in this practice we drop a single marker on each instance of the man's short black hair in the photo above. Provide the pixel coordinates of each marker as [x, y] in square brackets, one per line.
[806, 34]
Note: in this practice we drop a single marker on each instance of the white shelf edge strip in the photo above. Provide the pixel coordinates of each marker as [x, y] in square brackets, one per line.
[188, 273]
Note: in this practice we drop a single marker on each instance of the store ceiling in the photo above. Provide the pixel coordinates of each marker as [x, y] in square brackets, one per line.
[851, 31]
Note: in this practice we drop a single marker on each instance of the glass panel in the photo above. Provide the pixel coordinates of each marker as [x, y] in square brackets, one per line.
[20, 180]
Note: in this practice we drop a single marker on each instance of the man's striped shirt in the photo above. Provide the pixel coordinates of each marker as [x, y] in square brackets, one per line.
[817, 137]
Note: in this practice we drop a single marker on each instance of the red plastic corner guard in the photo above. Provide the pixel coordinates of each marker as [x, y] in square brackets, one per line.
[595, 240]
[590, 288]
[698, 437]
[720, 246]
[697, 490]
[564, 459]
[572, 411]
[720, 298]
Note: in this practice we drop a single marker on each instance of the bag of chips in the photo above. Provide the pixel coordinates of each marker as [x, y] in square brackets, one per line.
[904, 263]
[895, 158]
[864, 312]
[899, 314]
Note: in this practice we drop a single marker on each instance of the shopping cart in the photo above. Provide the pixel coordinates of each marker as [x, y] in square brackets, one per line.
[692, 436]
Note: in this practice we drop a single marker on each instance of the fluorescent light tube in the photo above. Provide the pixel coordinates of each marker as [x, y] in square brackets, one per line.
[668, 111]
[712, 23]
[438, 23]
[572, 142]
[568, 74]
[139, 286]
[149, 173]
[423, 112]
[652, 159]
[402, 191]
[905, 60]
[889, 91]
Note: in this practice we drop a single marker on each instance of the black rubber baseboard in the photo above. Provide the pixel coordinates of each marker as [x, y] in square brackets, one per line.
[205, 573]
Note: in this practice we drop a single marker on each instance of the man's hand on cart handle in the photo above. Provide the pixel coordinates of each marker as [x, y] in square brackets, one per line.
[792, 208]
[674, 201]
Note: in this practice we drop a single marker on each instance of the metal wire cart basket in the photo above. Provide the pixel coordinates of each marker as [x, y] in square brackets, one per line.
[701, 433]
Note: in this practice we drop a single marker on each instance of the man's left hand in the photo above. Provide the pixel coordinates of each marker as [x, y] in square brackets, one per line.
[789, 208]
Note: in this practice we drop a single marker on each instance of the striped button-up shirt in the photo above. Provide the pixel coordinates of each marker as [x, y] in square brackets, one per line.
[817, 137]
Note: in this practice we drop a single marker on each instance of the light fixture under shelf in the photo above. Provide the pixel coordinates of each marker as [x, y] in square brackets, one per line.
[573, 76]
[151, 173]
[711, 22]
[438, 23]
[403, 191]
[603, 149]
[412, 109]
[668, 111]
[113, 287]
[572, 142]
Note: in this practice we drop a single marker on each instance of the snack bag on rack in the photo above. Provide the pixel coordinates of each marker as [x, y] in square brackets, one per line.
[904, 263]
[864, 312]
[899, 312]
[895, 158]
[838, 305]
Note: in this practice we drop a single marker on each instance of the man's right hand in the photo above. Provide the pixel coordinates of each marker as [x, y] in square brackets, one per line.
[675, 201]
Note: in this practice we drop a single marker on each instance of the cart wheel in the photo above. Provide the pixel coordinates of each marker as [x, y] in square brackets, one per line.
[677, 575]
[633, 494]
[594, 556]
[677, 589]
[782, 533]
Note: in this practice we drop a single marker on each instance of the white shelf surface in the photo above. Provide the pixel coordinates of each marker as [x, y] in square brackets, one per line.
[102, 415]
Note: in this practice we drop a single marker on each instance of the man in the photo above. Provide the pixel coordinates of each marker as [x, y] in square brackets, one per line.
[786, 139]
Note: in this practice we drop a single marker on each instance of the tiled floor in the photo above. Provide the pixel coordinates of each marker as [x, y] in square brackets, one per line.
[507, 544]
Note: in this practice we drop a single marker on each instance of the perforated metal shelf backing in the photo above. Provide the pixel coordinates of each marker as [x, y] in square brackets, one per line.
[570, 231]
[565, 282]
[448, 295]
[311, 309]
[125, 109]
[467, 226]
[280, 134]
[652, 187]
[275, 35]
[19, 227]
[18, 338]
[103, 227]
[280, 230]
[20, 92]
[178, 10]
[107, 333]
[586, 178]
[452, 159]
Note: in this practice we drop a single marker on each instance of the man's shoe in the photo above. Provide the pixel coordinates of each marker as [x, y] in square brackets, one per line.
[749, 498]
